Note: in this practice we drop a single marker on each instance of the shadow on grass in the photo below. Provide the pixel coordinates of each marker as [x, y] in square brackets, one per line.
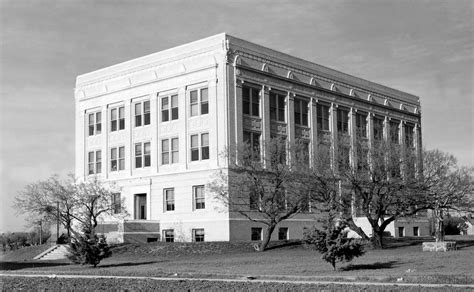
[11, 266]
[460, 244]
[374, 266]
[129, 264]
[284, 244]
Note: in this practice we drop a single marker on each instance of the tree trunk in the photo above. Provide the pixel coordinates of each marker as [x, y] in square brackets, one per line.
[439, 225]
[377, 238]
[351, 224]
[267, 236]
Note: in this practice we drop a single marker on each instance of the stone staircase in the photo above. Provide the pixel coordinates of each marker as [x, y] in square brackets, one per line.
[56, 252]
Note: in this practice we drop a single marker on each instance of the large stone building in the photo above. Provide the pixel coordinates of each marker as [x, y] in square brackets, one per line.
[156, 126]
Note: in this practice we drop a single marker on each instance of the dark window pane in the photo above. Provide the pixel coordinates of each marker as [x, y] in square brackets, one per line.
[164, 116]
[194, 154]
[113, 126]
[138, 121]
[205, 152]
[204, 108]
[146, 119]
[121, 124]
[174, 113]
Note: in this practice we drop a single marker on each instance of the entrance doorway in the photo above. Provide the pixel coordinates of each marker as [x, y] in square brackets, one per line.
[140, 206]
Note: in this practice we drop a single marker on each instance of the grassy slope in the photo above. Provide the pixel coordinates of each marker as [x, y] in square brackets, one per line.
[403, 260]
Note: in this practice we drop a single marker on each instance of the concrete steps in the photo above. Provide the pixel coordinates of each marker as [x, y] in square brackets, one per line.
[56, 252]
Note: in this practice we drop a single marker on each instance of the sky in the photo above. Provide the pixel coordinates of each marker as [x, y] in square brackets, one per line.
[425, 48]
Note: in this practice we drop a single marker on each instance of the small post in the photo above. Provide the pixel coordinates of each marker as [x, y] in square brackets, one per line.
[41, 232]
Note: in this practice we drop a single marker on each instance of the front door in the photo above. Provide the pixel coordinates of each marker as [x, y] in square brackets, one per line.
[140, 206]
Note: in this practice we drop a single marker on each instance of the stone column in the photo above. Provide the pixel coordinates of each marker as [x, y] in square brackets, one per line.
[266, 137]
[154, 119]
[334, 140]
[353, 134]
[370, 135]
[401, 141]
[105, 141]
[418, 149]
[213, 135]
[290, 124]
[239, 116]
[314, 132]
[128, 136]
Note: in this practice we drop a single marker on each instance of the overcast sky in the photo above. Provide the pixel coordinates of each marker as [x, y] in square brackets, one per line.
[421, 47]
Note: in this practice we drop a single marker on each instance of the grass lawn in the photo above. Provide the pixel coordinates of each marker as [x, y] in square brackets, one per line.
[402, 259]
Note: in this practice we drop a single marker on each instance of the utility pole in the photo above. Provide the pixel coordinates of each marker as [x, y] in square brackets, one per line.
[57, 222]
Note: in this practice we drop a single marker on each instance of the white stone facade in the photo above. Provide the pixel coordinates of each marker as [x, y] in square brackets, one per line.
[132, 97]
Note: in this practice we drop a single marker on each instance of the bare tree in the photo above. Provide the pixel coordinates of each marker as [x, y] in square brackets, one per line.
[448, 187]
[267, 190]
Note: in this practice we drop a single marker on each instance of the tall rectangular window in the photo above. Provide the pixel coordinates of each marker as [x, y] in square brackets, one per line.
[95, 123]
[168, 195]
[169, 108]
[277, 107]
[198, 235]
[142, 154]
[378, 128]
[256, 233]
[200, 147]
[342, 121]
[169, 151]
[198, 197]
[301, 112]
[94, 159]
[322, 117]
[361, 125]
[416, 231]
[409, 135]
[116, 203]
[250, 101]
[283, 233]
[117, 119]
[252, 139]
[168, 235]
[199, 102]
[394, 132]
[142, 113]
[117, 158]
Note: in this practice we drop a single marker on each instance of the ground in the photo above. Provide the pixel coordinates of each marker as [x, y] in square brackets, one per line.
[402, 262]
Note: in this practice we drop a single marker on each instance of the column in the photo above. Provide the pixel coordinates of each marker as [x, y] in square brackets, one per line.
[213, 122]
[128, 137]
[266, 137]
[314, 131]
[418, 149]
[290, 124]
[239, 117]
[334, 140]
[370, 136]
[401, 141]
[154, 119]
[105, 141]
[353, 135]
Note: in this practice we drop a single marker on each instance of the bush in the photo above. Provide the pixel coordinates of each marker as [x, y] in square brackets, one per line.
[89, 249]
[451, 225]
[334, 245]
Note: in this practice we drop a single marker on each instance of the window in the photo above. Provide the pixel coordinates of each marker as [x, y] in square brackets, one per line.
[344, 160]
[277, 107]
[142, 113]
[256, 233]
[409, 135]
[169, 108]
[302, 152]
[253, 141]
[168, 235]
[251, 101]
[394, 131]
[198, 196]
[198, 235]
[168, 195]
[301, 112]
[142, 155]
[416, 231]
[342, 121]
[116, 203]
[95, 123]
[169, 155]
[378, 129]
[361, 125]
[255, 201]
[199, 102]
[117, 158]
[283, 233]
[322, 117]
[401, 231]
[200, 152]
[117, 119]
[95, 162]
